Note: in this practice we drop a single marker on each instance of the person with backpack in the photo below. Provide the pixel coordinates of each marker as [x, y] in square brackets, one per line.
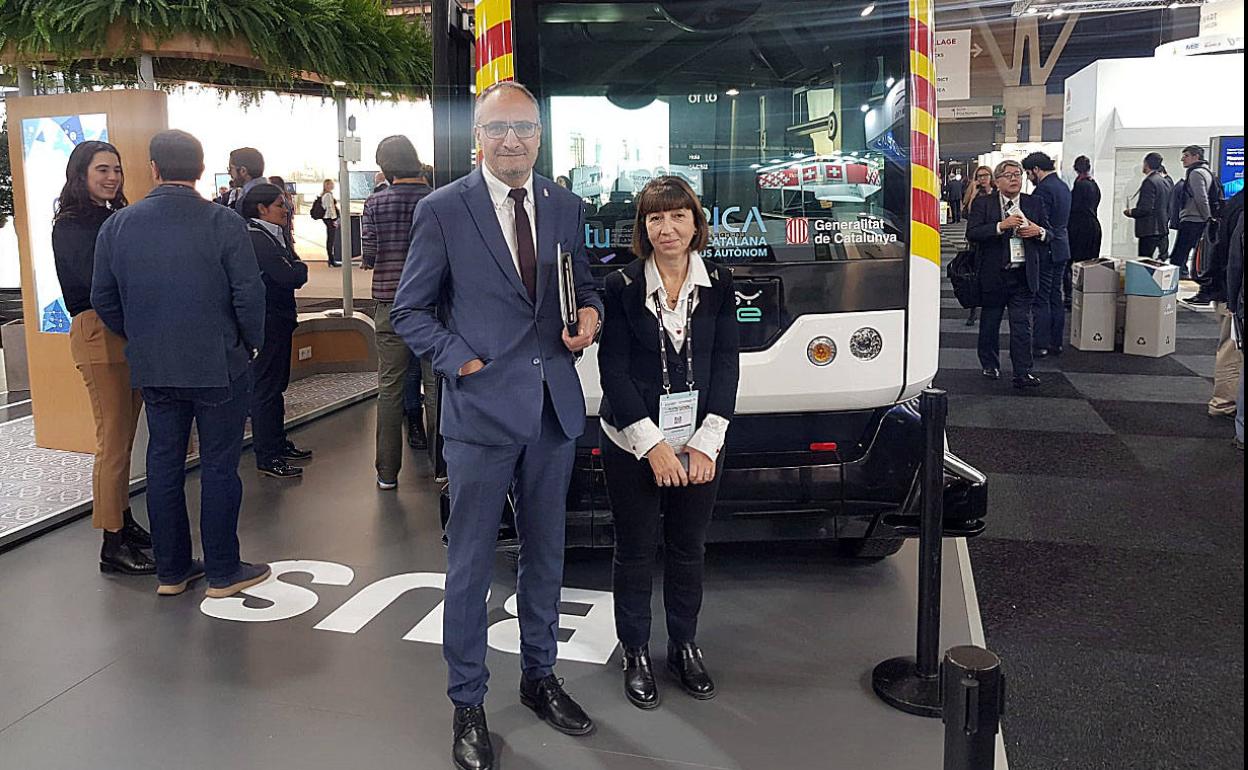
[1195, 199]
[325, 208]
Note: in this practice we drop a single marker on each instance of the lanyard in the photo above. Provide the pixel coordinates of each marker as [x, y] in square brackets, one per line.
[658, 309]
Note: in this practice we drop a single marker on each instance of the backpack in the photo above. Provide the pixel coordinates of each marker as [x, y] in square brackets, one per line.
[318, 208]
[963, 273]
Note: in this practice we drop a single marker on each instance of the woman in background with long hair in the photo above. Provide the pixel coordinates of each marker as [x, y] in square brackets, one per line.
[981, 185]
[92, 192]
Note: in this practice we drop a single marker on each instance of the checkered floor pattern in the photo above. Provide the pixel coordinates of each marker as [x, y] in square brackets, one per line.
[1111, 577]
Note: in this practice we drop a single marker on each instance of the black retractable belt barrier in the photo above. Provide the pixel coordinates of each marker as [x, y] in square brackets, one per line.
[912, 684]
[974, 694]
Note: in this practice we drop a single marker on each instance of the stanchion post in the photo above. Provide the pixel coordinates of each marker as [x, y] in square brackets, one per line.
[974, 699]
[912, 684]
[933, 409]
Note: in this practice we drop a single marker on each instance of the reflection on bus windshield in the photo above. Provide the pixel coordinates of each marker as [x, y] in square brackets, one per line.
[800, 167]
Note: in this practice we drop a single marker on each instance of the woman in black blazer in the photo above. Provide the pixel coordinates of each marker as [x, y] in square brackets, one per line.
[264, 206]
[669, 366]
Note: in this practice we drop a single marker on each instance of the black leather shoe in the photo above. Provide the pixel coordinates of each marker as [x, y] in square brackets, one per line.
[293, 454]
[120, 555]
[1027, 381]
[639, 685]
[134, 533]
[1040, 353]
[685, 663]
[1055, 351]
[992, 374]
[416, 437]
[279, 469]
[471, 748]
[549, 701]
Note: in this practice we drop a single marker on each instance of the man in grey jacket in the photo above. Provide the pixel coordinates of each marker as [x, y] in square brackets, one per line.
[1194, 212]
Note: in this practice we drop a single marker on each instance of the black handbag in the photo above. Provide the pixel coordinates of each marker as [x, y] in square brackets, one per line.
[963, 273]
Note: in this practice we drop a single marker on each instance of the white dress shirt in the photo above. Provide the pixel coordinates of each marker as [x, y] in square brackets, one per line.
[505, 210]
[643, 435]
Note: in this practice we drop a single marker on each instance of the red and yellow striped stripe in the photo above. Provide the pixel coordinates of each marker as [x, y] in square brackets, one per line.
[924, 182]
[495, 60]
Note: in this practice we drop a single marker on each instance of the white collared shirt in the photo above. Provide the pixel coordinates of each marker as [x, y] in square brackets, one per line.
[277, 231]
[643, 435]
[505, 210]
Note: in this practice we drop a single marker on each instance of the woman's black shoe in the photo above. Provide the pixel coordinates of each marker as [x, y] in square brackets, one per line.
[134, 533]
[293, 454]
[279, 469]
[639, 685]
[120, 555]
[685, 663]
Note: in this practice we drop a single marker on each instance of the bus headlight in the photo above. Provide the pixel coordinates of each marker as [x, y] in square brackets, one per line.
[821, 351]
[866, 343]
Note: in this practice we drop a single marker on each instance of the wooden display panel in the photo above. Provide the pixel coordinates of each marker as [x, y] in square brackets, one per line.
[62, 411]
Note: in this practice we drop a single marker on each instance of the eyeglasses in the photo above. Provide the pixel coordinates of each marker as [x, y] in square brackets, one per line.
[984, 175]
[497, 129]
[1010, 175]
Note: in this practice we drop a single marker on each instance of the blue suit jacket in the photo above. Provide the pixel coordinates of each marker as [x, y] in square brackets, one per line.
[461, 298]
[177, 277]
[1054, 195]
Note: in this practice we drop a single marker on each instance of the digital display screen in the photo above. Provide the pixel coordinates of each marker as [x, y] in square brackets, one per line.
[1231, 164]
[46, 147]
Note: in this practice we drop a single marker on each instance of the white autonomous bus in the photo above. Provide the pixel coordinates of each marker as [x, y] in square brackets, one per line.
[807, 131]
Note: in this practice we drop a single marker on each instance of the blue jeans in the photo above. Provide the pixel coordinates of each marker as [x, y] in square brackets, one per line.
[219, 414]
[1047, 310]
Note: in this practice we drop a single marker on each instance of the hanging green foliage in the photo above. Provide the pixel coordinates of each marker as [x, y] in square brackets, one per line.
[354, 41]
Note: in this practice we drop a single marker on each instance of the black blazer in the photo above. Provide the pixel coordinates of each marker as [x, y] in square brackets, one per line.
[994, 248]
[281, 271]
[628, 356]
[1152, 208]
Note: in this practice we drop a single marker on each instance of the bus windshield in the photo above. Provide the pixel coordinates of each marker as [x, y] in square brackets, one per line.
[788, 118]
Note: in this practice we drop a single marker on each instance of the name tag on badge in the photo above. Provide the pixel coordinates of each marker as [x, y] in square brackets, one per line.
[677, 414]
[1017, 252]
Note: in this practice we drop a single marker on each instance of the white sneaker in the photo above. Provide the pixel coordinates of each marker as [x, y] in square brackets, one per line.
[387, 485]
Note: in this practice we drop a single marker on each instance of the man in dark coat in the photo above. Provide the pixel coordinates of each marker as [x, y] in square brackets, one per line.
[1007, 229]
[1152, 210]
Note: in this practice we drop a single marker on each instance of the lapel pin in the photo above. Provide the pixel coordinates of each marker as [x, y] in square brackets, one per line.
[545, 193]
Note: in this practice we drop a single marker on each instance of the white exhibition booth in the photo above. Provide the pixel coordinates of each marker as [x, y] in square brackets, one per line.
[1118, 110]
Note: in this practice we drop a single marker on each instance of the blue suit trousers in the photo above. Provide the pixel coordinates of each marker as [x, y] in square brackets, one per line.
[480, 478]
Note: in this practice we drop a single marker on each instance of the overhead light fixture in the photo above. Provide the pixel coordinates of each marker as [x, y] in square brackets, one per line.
[1032, 11]
[756, 165]
[340, 83]
[890, 82]
[798, 154]
[865, 108]
[870, 9]
[1058, 11]
[386, 94]
[193, 84]
[733, 92]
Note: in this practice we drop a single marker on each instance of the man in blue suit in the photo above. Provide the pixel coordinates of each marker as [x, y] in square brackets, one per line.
[177, 277]
[480, 296]
[1048, 309]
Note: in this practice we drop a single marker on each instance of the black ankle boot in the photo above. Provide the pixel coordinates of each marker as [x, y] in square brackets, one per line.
[639, 685]
[685, 663]
[120, 555]
[135, 534]
[416, 438]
